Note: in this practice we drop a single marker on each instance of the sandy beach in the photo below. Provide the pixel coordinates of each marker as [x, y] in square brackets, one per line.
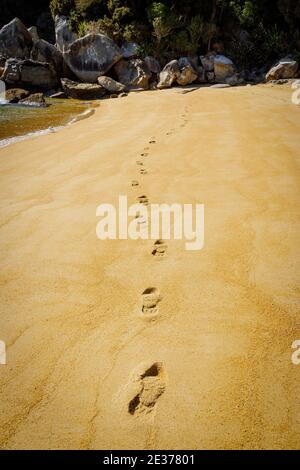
[83, 363]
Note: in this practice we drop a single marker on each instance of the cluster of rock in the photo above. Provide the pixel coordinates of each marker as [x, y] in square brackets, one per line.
[94, 66]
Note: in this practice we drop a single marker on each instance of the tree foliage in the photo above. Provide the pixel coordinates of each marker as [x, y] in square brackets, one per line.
[179, 27]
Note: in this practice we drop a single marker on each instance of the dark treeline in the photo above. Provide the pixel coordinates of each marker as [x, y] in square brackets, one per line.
[251, 32]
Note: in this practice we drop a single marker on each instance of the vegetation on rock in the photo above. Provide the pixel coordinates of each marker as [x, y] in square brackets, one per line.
[252, 32]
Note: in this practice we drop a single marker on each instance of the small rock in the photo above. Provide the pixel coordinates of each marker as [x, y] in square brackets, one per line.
[14, 95]
[111, 85]
[35, 99]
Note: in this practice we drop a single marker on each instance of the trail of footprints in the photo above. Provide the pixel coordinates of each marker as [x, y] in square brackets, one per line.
[151, 381]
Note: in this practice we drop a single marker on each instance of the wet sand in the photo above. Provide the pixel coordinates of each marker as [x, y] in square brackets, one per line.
[212, 368]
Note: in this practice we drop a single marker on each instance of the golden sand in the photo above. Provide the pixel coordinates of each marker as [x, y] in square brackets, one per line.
[213, 368]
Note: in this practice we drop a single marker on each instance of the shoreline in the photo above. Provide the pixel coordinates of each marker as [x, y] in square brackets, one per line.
[86, 113]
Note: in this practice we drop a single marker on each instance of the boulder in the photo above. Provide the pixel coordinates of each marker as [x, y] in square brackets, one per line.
[133, 73]
[34, 33]
[285, 68]
[187, 72]
[152, 64]
[15, 40]
[82, 91]
[14, 95]
[30, 74]
[36, 100]
[111, 85]
[63, 33]
[91, 56]
[43, 51]
[198, 68]
[129, 50]
[169, 74]
[223, 68]
[207, 62]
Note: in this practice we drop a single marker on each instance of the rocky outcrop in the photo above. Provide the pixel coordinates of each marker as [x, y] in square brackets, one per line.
[15, 40]
[133, 73]
[82, 91]
[43, 51]
[92, 56]
[63, 33]
[285, 68]
[29, 74]
[36, 100]
[111, 85]
[223, 68]
[14, 95]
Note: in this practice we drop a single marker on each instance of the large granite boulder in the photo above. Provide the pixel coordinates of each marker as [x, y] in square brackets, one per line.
[92, 56]
[43, 51]
[285, 68]
[133, 73]
[15, 40]
[82, 91]
[111, 85]
[169, 74]
[177, 71]
[152, 64]
[207, 62]
[223, 68]
[29, 74]
[63, 33]
[187, 73]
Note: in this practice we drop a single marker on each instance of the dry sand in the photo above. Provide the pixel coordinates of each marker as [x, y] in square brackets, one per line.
[213, 369]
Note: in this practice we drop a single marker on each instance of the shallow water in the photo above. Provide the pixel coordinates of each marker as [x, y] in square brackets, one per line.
[16, 120]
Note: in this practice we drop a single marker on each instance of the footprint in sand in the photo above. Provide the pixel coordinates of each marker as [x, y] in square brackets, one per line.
[143, 200]
[143, 171]
[150, 385]
[152, 141]
[150, 299]
[134, 183]
[159, 249]
[144, 154]
[140, 219]
[140, 163]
